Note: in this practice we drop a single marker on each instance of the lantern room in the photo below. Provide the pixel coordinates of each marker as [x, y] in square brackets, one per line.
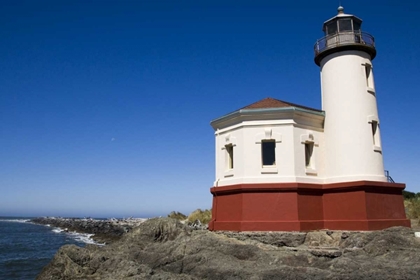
[342, 23]
[343, 32]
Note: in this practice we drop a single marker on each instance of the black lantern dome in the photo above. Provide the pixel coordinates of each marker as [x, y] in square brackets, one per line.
[343, 32]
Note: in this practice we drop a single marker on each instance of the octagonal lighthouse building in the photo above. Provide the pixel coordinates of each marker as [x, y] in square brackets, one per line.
[283, 166]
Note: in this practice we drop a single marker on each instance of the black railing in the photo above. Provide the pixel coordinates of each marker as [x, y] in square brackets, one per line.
[388, 177]
[342, 39]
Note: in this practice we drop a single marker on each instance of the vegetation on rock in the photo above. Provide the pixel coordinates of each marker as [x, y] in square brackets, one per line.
[204, 216]
[412, 204]
[177, 216]
[412, 208]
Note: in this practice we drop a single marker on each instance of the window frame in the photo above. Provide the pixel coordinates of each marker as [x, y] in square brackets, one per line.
[375, 126]
[228, 141]
[268, 135]
[368, 73]
[309, 151]
[229, 157]
[309, 139]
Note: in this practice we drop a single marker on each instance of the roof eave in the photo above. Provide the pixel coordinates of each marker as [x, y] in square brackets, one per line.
[340, 16]
[243, 112]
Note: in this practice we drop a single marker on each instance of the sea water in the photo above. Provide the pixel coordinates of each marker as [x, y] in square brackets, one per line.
[25, 248]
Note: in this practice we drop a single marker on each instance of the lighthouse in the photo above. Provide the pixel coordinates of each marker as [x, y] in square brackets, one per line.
[352, 126]
[282, 166]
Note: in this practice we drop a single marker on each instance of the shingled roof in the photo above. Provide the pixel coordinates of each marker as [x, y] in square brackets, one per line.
[269, 102]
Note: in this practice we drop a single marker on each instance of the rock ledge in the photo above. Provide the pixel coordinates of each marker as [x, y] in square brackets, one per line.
[167, 249]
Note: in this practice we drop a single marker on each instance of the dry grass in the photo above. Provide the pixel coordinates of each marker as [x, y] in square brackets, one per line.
[177, 215]
[203, 215]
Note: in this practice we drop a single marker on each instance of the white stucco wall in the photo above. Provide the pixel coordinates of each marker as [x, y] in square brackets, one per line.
[350, 106]
[289, 133]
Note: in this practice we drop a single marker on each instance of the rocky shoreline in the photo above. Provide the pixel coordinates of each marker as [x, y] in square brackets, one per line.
[164, 248]
[104, 231]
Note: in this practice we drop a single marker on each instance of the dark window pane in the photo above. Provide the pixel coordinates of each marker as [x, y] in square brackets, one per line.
[268, 152]
[229, 150]
[356, 26]
[374, 129]
[309, 147]
[332, 28]
[345, 24]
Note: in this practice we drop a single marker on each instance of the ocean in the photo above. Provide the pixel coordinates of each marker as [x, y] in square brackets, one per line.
[25, 248]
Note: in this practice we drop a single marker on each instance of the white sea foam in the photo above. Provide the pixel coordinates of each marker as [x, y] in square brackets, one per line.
[58, 230]
[85, 238]
[81, 237]
[15, 220]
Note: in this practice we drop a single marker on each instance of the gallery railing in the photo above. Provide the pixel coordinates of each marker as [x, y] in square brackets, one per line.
[343, 39]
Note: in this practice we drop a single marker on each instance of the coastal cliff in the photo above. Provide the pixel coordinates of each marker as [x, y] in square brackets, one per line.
[164, 248]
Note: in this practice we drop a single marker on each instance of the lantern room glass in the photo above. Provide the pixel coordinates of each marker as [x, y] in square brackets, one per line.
[345, 25]
[339, 25]
[356, 26]
[332, 28]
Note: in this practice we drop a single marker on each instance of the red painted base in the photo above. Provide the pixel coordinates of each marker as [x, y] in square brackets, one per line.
[360, 205]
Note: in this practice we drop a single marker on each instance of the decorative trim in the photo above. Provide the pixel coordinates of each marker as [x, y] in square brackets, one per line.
[228, 173]
[308, 138]
[371, 118]
[377, 148]
[371, 90]
[311, 171]
[268, 135]
[269, 170]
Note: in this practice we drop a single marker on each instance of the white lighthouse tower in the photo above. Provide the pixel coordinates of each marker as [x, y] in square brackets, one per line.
[352, 126]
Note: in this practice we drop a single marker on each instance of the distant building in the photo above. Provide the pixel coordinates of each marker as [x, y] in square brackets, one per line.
[282, 166]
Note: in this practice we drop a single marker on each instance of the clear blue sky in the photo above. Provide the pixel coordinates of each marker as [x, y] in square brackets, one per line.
[105, 105]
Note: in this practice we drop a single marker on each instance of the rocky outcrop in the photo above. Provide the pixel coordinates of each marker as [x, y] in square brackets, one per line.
[167, 249]
[105, 231]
